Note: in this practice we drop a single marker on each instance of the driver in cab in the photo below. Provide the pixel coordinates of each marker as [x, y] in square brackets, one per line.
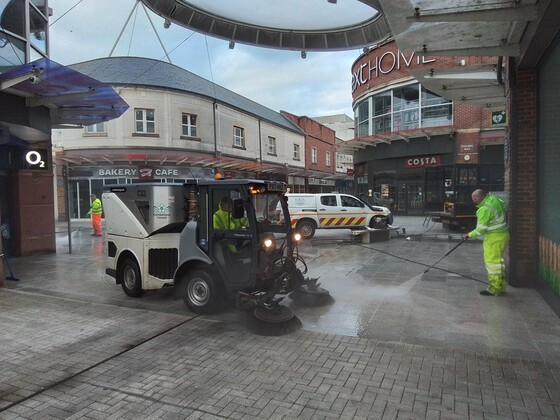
[223, 220]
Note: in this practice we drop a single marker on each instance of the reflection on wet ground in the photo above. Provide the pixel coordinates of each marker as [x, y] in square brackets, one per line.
[379, 290]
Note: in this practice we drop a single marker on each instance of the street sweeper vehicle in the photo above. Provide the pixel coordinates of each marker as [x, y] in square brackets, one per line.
[209, 239]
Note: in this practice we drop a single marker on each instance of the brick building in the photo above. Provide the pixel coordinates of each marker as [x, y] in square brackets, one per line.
[320, 165]
[413, 146]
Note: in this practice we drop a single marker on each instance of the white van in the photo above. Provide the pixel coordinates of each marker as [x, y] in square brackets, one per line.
[334, 211]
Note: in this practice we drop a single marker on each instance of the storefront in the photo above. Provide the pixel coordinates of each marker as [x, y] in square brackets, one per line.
[406, 134]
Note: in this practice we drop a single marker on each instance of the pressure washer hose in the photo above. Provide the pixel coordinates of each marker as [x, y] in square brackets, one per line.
[419, 263]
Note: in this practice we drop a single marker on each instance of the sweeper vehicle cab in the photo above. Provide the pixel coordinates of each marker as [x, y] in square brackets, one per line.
[208, 239]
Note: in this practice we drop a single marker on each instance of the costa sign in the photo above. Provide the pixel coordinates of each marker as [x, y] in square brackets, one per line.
[423, 161]
[384, 64]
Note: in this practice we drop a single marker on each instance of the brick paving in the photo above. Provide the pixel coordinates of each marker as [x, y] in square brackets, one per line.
[73, 347]
[206, 369]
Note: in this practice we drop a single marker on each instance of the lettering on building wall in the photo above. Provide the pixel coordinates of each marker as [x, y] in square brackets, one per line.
[133, 172]
[423, 161]
[385, 64]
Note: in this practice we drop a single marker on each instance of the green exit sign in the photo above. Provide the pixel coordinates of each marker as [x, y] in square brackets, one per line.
[499, 119]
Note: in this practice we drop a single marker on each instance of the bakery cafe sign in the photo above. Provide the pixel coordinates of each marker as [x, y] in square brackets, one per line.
[422, 161]
[385, 64]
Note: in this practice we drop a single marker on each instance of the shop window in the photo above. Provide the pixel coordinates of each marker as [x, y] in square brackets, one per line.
[238, 137]
[403, 108]
[188, 125]
[362, 119]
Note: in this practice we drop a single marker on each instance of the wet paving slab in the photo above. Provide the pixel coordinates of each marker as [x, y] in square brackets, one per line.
[379, 290]
[392, 340]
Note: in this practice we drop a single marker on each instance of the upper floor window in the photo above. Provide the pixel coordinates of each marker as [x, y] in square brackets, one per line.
[296, 152]
[313, 155]
[238, 137]
[402, 108]
[271, 147]
[188, 125]
[145, 120]
[96, 128]
[328, 158]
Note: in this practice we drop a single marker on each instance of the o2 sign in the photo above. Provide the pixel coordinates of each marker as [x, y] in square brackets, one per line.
[35, 159]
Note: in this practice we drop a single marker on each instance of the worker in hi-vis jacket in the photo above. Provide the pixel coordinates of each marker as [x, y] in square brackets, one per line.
[95, 211]
[491, 222]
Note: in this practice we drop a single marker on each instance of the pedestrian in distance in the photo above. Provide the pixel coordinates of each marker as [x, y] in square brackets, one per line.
[95, 211]
[491, 222]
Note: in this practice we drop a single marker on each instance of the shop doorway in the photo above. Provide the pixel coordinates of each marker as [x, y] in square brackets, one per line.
[410, 198]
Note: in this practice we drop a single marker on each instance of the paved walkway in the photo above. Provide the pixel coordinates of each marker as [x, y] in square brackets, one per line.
[394, 343]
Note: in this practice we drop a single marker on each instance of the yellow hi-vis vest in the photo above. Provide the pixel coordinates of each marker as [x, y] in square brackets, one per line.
[490, 217]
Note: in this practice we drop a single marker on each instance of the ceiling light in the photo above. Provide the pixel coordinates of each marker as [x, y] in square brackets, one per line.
[166, 23]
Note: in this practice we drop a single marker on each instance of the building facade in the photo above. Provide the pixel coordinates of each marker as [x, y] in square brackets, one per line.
[412, 146]
[320, 159]
[179, 126]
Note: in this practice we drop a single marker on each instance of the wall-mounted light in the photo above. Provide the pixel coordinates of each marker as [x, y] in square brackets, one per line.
[166, 23]
[303, 54]
[231, 45]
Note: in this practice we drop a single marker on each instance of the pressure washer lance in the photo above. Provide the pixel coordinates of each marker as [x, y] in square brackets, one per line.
[449, 252]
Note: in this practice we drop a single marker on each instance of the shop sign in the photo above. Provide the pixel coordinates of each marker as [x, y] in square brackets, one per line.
[499, 119]
[134, 172]
[385, 64]
[35, 159]
[423, 161]
[349, 172]
[146, 173]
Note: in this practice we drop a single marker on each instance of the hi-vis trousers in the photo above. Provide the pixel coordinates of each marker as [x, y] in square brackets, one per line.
[493, 246]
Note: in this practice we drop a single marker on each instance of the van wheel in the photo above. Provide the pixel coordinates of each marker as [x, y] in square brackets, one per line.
[130, 278]
[201, 292]
[306, 228]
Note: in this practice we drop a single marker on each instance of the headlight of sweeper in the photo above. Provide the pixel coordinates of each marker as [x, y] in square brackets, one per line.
[296, 237]
[269, 244]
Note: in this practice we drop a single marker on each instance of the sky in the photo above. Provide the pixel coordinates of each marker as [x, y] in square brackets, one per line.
[319, 85]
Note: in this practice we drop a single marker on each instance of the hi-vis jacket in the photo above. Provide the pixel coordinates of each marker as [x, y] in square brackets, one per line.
[96, 207]
[491, 217]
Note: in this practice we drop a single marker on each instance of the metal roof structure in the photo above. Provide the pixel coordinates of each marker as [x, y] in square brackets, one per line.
[462, 28]
[312, 25]
[72, 97]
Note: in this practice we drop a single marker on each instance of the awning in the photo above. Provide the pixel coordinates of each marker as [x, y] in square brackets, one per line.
[492, 28]
[475, 84]
[360, 143]
[73, 98]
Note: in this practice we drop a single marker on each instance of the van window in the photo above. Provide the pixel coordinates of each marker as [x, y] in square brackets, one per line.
[328, 200]
[348, 201]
